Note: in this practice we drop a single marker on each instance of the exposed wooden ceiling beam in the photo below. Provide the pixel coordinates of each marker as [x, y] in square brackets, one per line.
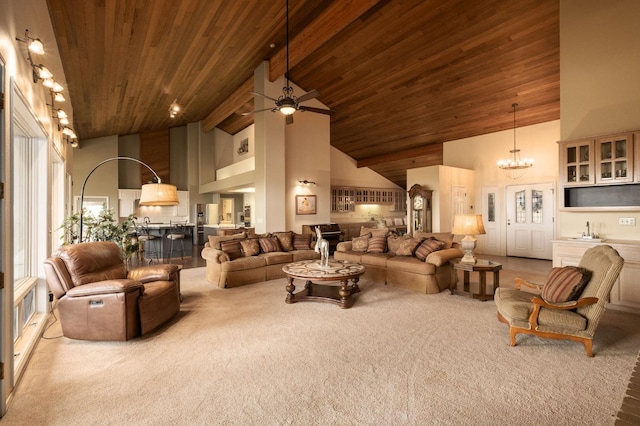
[238, 98]
[334, 19]
[430, 149]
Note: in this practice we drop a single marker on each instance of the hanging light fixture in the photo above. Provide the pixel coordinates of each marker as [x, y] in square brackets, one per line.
[515, 167]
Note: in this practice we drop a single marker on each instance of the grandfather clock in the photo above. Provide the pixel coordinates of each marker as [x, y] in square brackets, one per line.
[420, 212]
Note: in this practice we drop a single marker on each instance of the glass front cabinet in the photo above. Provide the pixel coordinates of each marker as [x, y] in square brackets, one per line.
[577, 162]
[614, 159]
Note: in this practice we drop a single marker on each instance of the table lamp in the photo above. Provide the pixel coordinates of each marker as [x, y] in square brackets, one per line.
[468, 225]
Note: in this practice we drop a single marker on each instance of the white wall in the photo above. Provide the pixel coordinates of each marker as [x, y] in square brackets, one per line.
[599, 89]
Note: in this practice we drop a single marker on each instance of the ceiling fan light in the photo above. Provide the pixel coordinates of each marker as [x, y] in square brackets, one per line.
[287, 110]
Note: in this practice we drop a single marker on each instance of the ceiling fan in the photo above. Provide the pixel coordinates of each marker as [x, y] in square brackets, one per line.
[288, 103]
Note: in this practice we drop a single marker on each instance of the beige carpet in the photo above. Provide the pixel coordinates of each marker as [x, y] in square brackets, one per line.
[243, 357]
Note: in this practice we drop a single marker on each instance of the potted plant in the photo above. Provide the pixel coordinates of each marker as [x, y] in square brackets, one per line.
[104, 227]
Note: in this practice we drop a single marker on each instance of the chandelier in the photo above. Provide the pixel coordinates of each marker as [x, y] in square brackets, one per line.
[515, 167]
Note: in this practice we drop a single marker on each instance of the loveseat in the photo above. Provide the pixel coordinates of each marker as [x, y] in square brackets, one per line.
[419, 262]
[240, 259]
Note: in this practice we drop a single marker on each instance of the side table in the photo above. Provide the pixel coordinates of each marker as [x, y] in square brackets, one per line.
[481, 266]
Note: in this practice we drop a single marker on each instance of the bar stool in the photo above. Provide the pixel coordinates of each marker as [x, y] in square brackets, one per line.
[177, 233]
[147, 243]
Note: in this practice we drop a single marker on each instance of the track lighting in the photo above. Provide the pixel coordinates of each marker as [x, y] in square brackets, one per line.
[174, 109]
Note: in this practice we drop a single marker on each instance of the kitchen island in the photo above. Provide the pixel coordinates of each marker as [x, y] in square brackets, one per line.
[163, 244]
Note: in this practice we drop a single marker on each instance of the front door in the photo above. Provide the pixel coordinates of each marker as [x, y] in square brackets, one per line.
[530, 220]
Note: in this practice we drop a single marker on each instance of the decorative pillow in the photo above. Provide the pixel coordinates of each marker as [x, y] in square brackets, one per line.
[270, 244]
[446, 237]
[232, 248]
[302, 241]
[250, 247]
[215, 240]
[285, 239]
[394, 242]
[565, 284]
[427, 247]
[377, 245]
[375, 232]
[408, 246]
[360, 243]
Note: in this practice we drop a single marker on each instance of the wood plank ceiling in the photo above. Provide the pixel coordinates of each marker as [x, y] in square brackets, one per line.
[403, 76]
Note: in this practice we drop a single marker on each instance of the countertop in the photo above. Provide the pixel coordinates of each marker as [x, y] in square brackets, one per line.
[153, 225]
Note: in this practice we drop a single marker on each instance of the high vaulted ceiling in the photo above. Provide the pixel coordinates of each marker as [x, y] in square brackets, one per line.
[403, 76]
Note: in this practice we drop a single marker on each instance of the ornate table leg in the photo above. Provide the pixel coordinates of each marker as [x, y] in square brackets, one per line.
[354, 286]
[344, 292]
[290, 289]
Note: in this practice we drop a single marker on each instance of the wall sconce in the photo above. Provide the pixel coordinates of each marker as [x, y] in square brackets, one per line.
[174, 109]
[306, 182]
[34, 45]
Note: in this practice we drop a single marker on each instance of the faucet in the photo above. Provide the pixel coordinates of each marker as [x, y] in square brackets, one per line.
[146, 220]
[588, 233]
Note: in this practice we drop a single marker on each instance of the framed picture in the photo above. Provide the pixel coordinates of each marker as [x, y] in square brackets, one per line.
[244, 147]
[305, 204]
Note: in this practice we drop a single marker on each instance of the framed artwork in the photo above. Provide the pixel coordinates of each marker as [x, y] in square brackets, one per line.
[305, 204]
[244, 147]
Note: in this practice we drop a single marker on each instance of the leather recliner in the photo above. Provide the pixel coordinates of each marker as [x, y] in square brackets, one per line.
[99, 300]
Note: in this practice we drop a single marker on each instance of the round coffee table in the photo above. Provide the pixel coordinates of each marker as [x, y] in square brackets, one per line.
[310, 270]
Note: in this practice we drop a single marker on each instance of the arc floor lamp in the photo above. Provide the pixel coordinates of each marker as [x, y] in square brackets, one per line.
[153, 194]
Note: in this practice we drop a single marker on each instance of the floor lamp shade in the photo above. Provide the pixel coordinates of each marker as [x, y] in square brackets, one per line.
[158, 194]
[468, 225]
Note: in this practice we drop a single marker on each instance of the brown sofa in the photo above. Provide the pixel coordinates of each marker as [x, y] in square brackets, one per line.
[240, 259]
[404, 268]
[99, 300]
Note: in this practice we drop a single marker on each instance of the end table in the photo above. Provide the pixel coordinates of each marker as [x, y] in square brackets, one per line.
[481, 266]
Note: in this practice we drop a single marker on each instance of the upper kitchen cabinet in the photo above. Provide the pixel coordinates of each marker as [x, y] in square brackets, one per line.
[614, 159]
[576, 162]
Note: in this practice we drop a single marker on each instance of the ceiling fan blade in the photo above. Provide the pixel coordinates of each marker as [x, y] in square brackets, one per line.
[258, 110]
[290, 119]
[310, 95]
[264, 96]
[317, 110]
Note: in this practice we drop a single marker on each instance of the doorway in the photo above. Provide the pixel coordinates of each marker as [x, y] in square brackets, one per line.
[530, 220]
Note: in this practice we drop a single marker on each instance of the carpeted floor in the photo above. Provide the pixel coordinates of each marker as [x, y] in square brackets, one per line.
[242, 356]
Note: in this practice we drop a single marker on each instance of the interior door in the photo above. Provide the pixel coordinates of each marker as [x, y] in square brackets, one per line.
[530, 219]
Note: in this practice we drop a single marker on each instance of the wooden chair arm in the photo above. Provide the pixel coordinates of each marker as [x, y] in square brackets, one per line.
[520, 282]
[538, 303]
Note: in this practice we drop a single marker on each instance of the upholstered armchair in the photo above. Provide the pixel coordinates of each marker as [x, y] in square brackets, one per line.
[99, 300]
[569, 304]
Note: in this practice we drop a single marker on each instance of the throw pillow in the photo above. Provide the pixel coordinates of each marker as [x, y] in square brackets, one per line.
[394, 242]
[408, 247]
[377, 245]
[565, 284]
[285, 239]
[360, 243]
[375, 232]
[250, 247]
[215, 240]
[232, 248]
[270, 244]
[427, 247]
[302, 241]
[446, 237]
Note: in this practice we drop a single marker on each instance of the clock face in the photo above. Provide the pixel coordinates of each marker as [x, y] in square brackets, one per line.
[418, 202]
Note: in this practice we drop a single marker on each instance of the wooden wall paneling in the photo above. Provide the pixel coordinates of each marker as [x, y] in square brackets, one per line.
[154, 151]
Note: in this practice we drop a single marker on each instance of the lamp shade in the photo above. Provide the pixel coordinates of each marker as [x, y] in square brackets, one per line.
[468, 224]
[158, 194]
